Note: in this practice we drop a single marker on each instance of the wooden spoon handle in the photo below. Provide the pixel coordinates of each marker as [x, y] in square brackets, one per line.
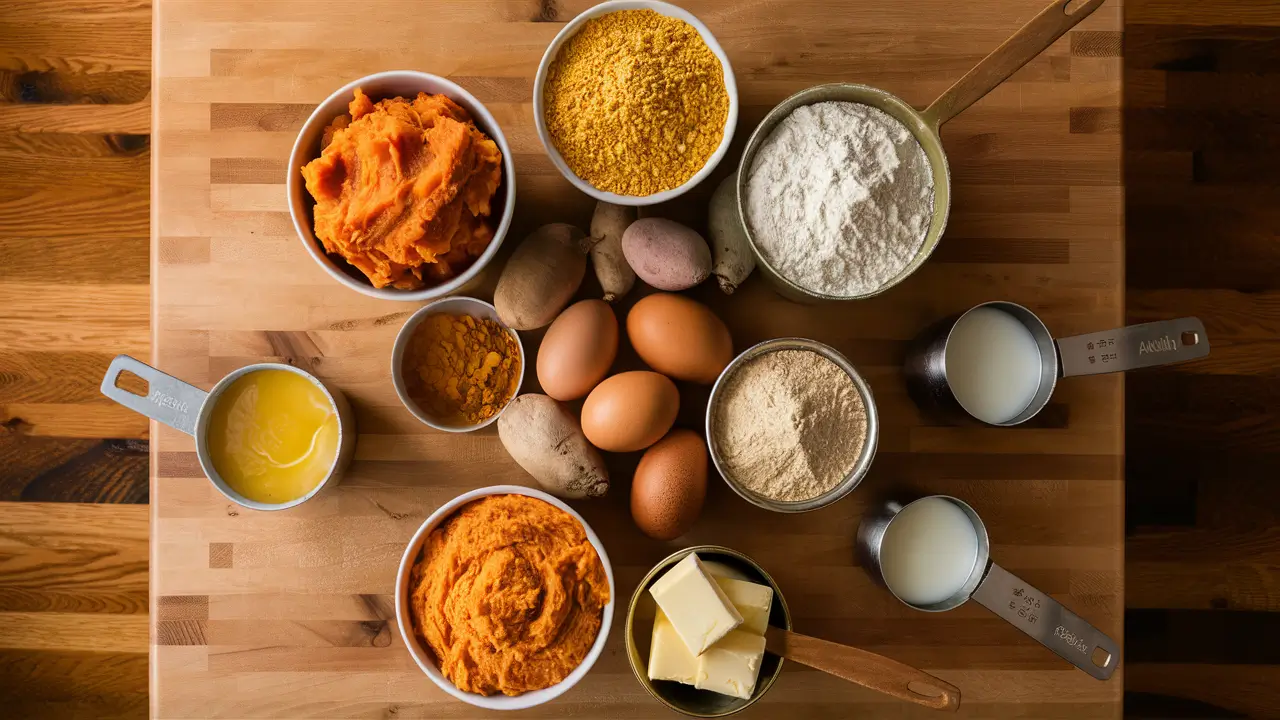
[1034, 38]
[864, 668]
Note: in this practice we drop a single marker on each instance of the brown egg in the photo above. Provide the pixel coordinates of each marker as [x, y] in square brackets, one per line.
[680, 337]
[630, 411]
[670, 485]
[577, 350]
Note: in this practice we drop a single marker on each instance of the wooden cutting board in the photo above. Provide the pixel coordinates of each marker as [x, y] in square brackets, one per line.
[290, 614]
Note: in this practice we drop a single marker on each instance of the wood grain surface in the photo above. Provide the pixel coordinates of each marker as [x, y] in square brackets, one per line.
[261, 615]
[1202, 178]
[73, 610]
[74, 198]
[74, 156]
[1201, 582]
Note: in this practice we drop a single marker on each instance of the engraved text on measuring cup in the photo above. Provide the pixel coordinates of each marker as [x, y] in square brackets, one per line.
[1072, 640]
[1025, 605]
[1164, 344]
[167, 401]
[1104, 346]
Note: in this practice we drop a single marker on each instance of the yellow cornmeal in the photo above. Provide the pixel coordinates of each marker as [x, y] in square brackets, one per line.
[635, 102]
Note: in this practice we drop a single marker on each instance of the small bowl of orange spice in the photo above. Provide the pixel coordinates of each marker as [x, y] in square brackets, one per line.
[455, 366]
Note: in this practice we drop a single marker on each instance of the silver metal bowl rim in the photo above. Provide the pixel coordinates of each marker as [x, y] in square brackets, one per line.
[402, 342]
[643, 586]
[859, 469]
[811, 96]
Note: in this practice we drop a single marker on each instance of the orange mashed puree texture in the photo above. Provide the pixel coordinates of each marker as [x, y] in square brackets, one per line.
[508, 594]
[403, 189]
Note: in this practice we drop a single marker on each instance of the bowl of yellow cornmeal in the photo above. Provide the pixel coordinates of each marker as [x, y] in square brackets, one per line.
[635, 102]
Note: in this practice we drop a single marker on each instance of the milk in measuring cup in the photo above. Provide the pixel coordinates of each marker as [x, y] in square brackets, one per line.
[928, 551]
[993, 364]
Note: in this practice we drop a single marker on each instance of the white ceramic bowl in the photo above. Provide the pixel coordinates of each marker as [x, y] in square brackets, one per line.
[568, 31]
[454, 306]
[396, 83]
[423, 657]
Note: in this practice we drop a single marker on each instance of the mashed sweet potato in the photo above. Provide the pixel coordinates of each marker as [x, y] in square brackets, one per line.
[508, 594]
[403, 189]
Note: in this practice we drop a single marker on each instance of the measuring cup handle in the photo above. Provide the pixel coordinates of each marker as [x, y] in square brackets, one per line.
[1136, 346]
[1032, 39]
[168, 399]
[1049, 622]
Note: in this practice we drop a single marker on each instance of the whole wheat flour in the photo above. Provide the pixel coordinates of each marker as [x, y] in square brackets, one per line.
[839, 198]
[790, 425]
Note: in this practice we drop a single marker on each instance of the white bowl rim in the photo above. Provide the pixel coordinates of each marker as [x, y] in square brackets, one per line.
[402, 341]
[294, 185]
[499, 702]
[570, 29]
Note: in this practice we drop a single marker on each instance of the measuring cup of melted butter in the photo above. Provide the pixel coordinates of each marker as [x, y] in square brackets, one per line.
[933, 555]
[269, 436]
[999, 364]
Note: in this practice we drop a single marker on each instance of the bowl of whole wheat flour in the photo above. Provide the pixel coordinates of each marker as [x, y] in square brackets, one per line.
[844, 189]
[791, 425]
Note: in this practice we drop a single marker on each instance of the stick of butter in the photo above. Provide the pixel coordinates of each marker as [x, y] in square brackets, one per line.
[669, 659]
[731, 666]
[696, 606]
[753, 602]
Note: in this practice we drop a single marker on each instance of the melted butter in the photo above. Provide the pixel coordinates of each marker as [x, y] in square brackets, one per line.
[273, 436]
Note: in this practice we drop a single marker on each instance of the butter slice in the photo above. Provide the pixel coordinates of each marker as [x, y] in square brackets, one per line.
[753, 602]
[731, 666]
[696, 606]
[669, 659]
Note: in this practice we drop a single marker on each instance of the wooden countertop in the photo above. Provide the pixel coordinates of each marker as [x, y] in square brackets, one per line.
[260, 615]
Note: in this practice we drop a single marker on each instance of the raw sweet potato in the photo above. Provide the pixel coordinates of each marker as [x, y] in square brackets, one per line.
[542, 275]
[546, 440]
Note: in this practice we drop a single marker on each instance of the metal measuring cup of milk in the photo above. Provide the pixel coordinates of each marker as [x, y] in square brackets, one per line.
[185, 407]
[1127, 348]
[1003, 593]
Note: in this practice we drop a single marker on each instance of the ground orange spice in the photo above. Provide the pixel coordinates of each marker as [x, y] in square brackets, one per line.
[635, 102]
[461, 369]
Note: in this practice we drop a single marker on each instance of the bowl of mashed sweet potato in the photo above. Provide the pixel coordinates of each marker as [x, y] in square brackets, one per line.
[401, 186]
[505, 597]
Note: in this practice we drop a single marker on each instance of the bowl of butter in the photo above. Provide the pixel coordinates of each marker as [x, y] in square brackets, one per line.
[695, 631]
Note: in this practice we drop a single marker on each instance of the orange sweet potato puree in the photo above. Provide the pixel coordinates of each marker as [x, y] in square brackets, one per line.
[509, 594]
[404, 188]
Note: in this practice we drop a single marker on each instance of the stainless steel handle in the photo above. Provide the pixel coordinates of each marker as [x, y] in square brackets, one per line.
[1133, 347]
[1046, 620]
[169, 400]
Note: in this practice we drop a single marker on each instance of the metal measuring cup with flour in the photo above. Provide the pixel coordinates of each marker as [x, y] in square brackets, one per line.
[844, 189]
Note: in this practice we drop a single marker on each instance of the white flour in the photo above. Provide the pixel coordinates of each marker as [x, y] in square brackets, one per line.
[839, 198]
